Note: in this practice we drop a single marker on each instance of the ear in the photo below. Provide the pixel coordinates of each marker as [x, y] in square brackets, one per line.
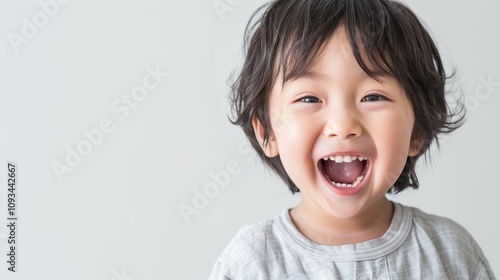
[416, 144]
[271, 147]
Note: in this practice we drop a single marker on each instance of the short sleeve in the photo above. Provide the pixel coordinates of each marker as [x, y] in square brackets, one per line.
[218, 272]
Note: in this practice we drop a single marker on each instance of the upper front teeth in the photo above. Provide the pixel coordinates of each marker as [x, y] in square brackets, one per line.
[340, 159]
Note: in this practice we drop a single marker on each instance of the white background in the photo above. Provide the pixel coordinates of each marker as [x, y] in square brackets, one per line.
[116, 215]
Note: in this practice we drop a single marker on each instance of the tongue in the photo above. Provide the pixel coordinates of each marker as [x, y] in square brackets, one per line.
[345, 172]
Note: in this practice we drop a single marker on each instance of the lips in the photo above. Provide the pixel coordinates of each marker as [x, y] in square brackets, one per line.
[344, 173]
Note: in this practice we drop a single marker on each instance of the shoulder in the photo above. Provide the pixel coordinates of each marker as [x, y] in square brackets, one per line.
[250, 239]
[441, 229]
[447, 243]
[249, 249]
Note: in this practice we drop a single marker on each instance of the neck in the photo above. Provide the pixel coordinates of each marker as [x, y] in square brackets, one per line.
[326, 229]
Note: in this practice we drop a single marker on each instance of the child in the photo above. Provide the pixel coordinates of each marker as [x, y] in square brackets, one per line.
[340, 98]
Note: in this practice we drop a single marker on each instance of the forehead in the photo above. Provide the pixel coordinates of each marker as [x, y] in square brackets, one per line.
[336, 54]
[334, 58]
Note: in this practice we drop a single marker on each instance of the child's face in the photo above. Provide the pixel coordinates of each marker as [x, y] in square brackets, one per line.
[337, 110]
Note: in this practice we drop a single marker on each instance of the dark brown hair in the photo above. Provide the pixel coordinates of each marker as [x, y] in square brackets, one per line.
[386, 38]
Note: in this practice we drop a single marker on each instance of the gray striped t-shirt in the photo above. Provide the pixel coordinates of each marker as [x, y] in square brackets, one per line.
[416, 246]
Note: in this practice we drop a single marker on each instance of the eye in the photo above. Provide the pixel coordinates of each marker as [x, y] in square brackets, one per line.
[309, 99]
[373, 97]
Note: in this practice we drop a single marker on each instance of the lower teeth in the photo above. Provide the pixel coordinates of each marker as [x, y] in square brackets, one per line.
[353, 185]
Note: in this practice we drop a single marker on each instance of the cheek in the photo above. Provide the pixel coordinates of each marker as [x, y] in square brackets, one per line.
[395, 129]
[396, 143]
[296, 140]
[397, 136]
[393, 143]
[293, 133]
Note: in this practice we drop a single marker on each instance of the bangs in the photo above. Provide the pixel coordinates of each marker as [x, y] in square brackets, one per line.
[377, 33]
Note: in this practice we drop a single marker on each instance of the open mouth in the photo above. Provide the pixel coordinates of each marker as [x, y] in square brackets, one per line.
[344, 171]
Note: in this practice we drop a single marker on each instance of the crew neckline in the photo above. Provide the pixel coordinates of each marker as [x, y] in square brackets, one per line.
[396, 234]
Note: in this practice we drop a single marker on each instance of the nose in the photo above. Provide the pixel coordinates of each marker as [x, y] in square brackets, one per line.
[344, 124]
